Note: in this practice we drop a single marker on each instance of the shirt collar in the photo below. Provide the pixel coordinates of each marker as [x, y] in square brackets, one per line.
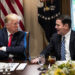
[8, 33]
[68, 33]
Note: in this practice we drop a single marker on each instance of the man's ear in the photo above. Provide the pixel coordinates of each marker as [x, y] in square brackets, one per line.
[6, 25]
[66, 26]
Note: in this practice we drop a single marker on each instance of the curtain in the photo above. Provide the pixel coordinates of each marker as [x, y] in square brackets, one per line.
[37, 36]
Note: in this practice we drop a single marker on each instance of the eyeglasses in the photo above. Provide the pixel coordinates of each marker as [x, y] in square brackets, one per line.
[17, 23]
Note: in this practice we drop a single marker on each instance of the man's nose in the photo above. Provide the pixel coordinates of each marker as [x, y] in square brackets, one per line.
[17, 25]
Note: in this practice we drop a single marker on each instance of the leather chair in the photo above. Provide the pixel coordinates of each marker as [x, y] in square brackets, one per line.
[27, 45]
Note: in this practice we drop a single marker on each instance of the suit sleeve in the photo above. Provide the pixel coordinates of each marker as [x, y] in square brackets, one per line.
[17, 47]
[49, 49]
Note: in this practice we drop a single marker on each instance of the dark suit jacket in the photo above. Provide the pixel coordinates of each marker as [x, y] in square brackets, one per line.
[54, 48]
[17, 46]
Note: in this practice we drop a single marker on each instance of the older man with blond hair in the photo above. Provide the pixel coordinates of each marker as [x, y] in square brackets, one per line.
[11, 39]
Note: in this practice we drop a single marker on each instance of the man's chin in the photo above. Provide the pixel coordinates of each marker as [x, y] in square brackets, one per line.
[15, 31]
[58, 33]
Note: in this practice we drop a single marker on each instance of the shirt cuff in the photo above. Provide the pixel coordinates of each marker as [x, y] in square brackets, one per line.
[11, 56]
[4, 48]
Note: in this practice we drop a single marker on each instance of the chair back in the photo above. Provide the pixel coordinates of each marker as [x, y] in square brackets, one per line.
[27, 45]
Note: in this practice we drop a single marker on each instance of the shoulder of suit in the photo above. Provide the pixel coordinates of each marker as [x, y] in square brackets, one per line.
[72, 32]
[20, 32]
[56, 35]
[3, 30]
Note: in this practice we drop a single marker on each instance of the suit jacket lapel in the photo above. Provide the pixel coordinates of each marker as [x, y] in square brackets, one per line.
[71, 42]
[59, 45]
[5, 37]
[14, 39]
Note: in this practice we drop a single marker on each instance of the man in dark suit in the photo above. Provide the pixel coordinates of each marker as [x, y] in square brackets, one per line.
[63, 27]
[16, 49]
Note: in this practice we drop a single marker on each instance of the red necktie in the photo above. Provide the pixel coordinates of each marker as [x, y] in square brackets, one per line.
[9, 42]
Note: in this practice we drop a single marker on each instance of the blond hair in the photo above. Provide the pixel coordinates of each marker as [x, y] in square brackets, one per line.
[12, 16]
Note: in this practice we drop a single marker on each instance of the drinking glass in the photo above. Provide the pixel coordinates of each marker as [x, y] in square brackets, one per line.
[42, 60]
[52, 60]
[42, 63]
[8, 69]
[4, 70]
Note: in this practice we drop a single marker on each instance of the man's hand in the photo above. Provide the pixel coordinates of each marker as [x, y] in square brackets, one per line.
[3, 48]
[0, 48]
[35, 60]
[40, 60]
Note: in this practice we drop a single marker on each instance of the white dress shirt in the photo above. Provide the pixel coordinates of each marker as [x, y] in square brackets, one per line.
[4, 47]
[67, 42]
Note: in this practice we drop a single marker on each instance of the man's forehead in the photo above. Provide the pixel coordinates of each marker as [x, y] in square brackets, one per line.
[13, 20]
[58, 21]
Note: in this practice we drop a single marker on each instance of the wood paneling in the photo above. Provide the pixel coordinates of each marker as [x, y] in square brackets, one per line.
[65, 7]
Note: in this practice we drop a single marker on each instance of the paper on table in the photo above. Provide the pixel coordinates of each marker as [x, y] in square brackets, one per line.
[21, 66]
[1, 66]
[12, 66]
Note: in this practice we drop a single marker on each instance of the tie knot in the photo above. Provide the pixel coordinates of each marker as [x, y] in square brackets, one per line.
[63, 38]
[11, 34]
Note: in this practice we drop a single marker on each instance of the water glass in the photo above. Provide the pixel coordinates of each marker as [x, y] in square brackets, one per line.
[42, 60]
[8, 69]
[4, 70]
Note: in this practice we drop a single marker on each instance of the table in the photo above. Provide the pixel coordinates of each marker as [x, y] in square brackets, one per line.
[30, 69]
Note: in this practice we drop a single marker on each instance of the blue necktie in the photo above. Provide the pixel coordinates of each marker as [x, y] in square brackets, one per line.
[63, 49]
